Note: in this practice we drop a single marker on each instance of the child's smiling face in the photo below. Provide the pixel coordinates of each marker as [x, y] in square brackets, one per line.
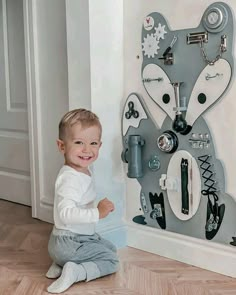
[81, 146]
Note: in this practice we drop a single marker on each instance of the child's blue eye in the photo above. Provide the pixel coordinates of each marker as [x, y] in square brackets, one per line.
[78, 142]
[94, 143]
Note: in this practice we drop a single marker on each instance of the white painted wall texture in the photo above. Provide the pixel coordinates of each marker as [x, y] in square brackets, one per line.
[95, 79]
[78, 53]
[106, 52]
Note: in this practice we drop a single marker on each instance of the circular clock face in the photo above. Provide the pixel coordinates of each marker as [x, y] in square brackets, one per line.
[213, 18]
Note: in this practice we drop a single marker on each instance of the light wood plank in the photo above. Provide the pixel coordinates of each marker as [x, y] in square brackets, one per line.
[24, 261]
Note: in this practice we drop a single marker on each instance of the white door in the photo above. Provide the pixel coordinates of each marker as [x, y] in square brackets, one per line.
[14, 142]
[47, 91]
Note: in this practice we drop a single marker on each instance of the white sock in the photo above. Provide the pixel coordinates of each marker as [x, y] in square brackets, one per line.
[71, 274]
[54, 271]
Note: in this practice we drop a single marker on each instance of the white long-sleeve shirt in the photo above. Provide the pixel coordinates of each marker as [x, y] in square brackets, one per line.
[74, 207]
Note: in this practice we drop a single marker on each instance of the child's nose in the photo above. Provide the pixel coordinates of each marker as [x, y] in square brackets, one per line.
[86, 148]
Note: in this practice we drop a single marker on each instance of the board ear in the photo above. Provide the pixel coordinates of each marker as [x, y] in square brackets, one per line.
[209, 87]
[158, 86]
[215, 18]
[133, 113]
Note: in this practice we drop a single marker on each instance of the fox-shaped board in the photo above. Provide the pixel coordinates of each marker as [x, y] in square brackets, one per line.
[182, 182]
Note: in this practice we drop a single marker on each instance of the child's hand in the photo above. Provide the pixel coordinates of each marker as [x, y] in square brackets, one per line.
[105, 207]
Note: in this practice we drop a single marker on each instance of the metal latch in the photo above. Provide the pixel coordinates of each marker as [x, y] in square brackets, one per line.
[193, 38]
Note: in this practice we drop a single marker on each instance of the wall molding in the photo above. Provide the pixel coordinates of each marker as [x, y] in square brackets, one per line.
[115, 233]
[31, 59]
[204, 254]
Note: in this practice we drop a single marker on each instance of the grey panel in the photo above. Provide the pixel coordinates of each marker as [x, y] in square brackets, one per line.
[150, 180]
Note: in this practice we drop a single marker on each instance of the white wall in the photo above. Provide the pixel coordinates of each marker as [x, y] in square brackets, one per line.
[95, 67]
[78, 53]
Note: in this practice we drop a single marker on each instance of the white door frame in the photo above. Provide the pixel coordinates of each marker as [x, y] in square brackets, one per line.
[32, 98]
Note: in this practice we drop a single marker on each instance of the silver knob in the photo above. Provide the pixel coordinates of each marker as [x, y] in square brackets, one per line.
[167, 142]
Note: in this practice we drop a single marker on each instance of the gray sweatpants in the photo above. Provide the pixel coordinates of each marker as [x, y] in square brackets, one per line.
[97, 255]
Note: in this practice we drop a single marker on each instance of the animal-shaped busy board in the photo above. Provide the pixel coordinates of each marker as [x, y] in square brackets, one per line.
[185, 72]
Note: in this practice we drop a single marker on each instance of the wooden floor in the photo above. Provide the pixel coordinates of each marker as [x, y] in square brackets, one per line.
[24, 262]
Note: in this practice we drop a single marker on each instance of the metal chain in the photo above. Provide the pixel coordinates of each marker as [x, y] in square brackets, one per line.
[211, 62]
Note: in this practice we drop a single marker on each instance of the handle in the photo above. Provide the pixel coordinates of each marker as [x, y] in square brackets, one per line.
[134, 157]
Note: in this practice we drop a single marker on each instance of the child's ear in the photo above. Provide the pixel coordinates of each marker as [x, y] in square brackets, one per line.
[61, 146]
[100, 144]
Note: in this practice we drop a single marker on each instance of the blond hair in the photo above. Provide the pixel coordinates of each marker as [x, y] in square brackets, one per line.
[82, 116]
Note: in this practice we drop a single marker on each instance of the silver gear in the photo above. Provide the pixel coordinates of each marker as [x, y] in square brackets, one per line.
[160, 32]
[150, 45]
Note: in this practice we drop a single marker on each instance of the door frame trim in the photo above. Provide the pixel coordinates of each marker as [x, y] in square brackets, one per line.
[31, 58]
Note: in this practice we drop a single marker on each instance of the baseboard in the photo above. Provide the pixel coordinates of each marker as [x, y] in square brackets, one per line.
[204, 254]
[116, 234]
